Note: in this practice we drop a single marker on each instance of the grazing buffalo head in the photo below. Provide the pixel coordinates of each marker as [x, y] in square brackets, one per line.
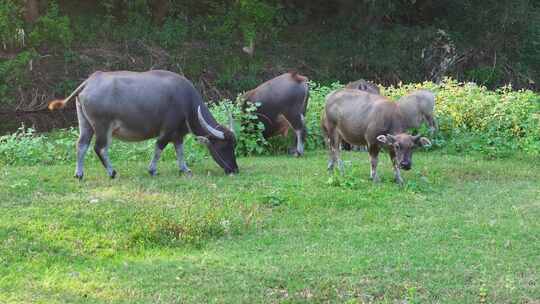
[220, 142]
[403, 145]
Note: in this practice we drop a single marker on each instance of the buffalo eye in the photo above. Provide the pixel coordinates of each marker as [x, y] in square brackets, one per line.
[397, 146]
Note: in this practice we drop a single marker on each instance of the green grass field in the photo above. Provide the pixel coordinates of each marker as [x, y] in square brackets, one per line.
[463, 230]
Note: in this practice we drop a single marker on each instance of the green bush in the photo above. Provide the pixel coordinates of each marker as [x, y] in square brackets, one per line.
[26, 147]
[10, 25]
[13, 74]
[51, 29]
[471, 117]
[316, 103]
[250, 18]
[247, 128]
[173, 33]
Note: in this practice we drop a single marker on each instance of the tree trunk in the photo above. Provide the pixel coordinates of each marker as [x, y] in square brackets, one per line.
[160, 9]
[31, 10]
[424, 10]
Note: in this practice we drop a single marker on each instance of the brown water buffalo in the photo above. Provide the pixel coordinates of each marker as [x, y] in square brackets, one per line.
[362, 85]
[283, 102]
[136, 106]
[417, 107]
[361, 118]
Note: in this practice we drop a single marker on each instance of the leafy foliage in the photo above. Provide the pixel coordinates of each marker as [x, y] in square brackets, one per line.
[27, 147]
[13, 74]
[254, 16]
[316, 102]
[385, 41]
[11, 25]
[247, 128]
[492, 122]
[52, 28]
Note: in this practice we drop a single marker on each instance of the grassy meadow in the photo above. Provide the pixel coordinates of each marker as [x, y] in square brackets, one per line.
[463, 229]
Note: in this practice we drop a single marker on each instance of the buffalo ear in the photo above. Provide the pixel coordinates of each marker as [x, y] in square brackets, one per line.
[203, 140]
[382, 139]
[386, 139]
[422, 141]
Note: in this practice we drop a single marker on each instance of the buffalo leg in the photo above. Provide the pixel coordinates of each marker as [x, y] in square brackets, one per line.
[432, 123]
[179, 147]
[374, 159]
[161, 143]
[397, 172]
[86, 132]
[101, 147]
[299, 143]
[334, 142]
[298, 124]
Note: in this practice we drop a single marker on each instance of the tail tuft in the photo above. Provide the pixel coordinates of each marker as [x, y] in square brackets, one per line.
[56, 104]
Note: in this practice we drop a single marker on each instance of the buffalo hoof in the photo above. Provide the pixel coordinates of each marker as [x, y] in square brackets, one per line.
[152, 172]
[330, 166]
[78, 176]
[113, 174]
[376, 180]
[294, 152]
[188, 173]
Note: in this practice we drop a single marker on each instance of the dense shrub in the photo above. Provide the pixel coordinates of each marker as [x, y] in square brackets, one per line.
[11, 26]
[316, 102]
[473, 117]
[246, 126]
[52, 29]
[13, 74]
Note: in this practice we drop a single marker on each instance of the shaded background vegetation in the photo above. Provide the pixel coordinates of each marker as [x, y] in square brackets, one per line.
[226, 47]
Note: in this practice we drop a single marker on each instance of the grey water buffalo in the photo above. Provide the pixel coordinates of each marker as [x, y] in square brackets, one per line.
[364, 85]
[283, 102]
[417, 107]
[361, 118]
[135, 106]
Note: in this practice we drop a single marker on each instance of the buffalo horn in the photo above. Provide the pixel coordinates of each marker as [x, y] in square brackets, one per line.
[214, 132]
[231, 123]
